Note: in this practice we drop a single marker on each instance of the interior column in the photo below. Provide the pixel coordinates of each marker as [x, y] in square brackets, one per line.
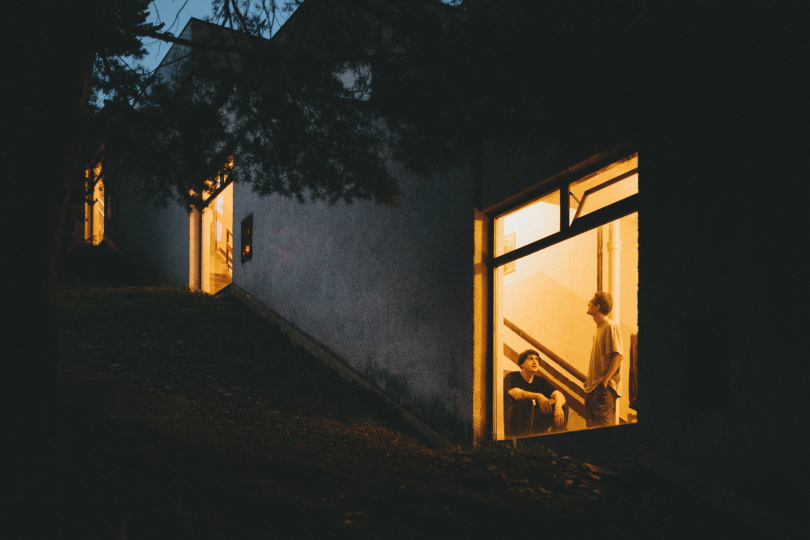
[614, 283]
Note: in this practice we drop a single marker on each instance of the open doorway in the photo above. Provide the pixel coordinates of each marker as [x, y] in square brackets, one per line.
[217, 241]
[565, 254]
[94, 206]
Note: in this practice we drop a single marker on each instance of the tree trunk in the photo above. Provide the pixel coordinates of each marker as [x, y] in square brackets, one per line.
[42, 114]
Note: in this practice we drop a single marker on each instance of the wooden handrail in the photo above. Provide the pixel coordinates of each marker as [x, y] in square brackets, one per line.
[545, 350]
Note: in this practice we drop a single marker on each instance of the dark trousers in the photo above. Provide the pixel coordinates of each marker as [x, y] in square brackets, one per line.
[524, 419]
[600, 406]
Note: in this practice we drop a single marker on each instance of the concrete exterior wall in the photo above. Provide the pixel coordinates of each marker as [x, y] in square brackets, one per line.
[714, 243]
[155, 240]
[506, 175]
[387, 290]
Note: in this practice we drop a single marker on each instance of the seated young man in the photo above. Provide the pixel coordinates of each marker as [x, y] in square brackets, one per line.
[531, 406]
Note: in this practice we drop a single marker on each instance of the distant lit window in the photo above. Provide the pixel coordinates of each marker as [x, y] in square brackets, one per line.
[247, 238]
[216, 239]
[94, 208]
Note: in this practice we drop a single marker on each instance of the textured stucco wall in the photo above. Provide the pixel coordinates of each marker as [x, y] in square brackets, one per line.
[155, 240]
[387, 290]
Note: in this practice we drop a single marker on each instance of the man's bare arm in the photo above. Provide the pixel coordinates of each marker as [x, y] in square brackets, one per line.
[558, 398]
[612, 369]
[559, 413]
[542, 401]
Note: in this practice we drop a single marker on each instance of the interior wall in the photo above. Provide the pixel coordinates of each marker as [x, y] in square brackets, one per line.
[629, 302]
[550, 302]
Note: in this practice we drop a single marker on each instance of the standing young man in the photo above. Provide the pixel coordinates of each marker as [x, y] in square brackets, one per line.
[602, 383]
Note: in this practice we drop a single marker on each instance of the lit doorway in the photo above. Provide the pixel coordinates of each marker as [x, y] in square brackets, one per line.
[94, 206]
[217, 241]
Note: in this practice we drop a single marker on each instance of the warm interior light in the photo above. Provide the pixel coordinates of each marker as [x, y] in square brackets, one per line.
[541, 299]
[94, 214]
[217, 242]
[535, 220]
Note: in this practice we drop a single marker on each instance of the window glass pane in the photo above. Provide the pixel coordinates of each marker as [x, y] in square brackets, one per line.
[543, 305]
[601, 189]
[531, 222]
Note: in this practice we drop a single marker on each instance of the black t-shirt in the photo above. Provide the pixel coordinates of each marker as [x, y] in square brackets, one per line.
[538, 385]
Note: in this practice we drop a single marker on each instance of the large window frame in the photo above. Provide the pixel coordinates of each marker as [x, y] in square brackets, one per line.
[567, 229]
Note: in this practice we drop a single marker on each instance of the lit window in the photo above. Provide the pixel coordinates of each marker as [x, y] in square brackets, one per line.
[542, 304]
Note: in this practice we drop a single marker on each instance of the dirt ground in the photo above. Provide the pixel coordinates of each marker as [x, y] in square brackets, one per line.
[182, 415]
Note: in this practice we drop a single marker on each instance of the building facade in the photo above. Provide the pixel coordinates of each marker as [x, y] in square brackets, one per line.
[431, 302]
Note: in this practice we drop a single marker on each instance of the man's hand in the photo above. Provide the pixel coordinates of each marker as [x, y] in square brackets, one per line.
[544, 403]
[559, 415]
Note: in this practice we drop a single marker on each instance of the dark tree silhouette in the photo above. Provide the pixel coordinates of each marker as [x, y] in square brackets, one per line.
[283, 110]
[293, 108]
[51, 48]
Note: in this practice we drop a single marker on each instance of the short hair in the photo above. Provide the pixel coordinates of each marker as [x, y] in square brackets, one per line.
[525, 354]
[604, 302]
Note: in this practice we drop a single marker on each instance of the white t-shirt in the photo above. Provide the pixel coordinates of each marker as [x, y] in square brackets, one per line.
[606, 341]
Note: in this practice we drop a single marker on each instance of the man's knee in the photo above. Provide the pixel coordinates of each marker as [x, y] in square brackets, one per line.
[545, 423]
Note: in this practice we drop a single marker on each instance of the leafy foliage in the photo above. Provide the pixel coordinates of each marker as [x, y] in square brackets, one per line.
[318, 109]
[117, 27]
[295, 120]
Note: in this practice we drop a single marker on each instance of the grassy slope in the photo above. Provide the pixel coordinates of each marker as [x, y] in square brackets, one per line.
[183, 415]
